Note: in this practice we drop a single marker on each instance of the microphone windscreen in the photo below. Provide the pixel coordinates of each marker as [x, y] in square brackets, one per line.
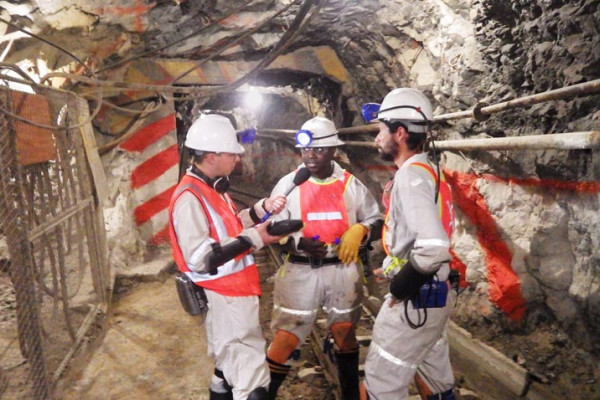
[301, 176]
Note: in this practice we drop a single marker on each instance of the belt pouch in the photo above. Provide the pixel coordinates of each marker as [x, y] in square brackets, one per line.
[192, 297]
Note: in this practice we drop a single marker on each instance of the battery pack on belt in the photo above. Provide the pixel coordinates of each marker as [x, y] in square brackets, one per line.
[431, 295]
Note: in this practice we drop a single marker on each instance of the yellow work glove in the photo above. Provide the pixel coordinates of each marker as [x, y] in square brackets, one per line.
[347, 251]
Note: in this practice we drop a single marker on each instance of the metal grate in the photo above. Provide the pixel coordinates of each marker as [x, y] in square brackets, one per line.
[54, 273]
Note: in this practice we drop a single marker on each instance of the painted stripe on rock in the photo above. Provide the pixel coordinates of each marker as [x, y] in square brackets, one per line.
[504, 285]
[154, 167]
[144, 212]
[150, 134]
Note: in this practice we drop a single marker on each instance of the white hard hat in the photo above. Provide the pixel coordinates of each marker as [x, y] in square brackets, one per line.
[407, 105]
[318, 132]
[213, 133]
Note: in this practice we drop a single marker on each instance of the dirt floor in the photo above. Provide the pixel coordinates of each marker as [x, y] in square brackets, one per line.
[153, 350]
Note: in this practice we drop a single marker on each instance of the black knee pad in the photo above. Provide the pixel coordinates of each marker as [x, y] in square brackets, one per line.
[260, 393]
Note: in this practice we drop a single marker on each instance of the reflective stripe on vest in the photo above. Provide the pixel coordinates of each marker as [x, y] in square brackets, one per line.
[323, 208]
[237, 277]
[444, 201]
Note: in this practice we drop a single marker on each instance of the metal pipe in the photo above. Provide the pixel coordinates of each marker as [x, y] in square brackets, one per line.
[481, 111]
[361, 144]
[557, 94]
[272, 131]
[352, 129]
[563, 141]
[359, 129]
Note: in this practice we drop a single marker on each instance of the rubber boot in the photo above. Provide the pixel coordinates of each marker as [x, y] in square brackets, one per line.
[220, 395]
[219, 388]
[278, 374]
[259, 394]
[347, 365]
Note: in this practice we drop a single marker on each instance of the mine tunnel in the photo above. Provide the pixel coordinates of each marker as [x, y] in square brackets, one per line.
[96, 102]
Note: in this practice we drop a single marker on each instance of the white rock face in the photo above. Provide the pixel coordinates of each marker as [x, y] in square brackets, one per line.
[126, 248]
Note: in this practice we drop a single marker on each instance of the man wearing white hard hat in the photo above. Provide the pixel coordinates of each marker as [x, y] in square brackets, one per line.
[212, 245]
[321, 266]
[409, 336]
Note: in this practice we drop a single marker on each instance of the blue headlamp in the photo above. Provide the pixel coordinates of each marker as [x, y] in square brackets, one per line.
[247, 135]
[370, 111]
[304, 137]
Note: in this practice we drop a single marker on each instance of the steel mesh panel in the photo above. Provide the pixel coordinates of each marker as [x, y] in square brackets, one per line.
[53, 273]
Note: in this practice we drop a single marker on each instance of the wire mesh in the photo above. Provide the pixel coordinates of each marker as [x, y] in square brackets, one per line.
[53, 278]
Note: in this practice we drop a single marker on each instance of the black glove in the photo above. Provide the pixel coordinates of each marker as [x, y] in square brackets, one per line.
[221, 254]
[406, 283]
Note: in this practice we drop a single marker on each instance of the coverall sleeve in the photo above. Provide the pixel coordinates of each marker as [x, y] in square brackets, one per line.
[193, 233]
[192, 230]
[431, 246]
[244, 214]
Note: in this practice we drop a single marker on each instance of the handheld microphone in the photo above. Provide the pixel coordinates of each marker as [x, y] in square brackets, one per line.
[301, 176]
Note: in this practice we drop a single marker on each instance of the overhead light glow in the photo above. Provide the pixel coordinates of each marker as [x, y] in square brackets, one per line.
[253, 100]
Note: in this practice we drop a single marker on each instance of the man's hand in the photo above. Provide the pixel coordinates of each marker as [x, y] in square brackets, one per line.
[314, 248]
[264, 235]
[275, 204]
[347, 251]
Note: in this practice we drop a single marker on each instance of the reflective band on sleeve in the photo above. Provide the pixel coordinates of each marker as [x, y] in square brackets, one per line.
[396, 263]
[324, 216]
[391, 358]
[338, 311]
[294, 312]
[432, 242]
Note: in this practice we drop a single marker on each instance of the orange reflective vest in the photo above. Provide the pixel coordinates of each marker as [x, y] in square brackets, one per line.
[237, 277]
[323, 208]
[444, 202]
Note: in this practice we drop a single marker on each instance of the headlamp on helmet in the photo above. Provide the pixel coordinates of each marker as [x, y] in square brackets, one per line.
[318, 132]
[370, 111]
[247, 135]
[305, 137]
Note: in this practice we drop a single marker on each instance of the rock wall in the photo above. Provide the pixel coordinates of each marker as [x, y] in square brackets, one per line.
[542, 203]
[531, 47]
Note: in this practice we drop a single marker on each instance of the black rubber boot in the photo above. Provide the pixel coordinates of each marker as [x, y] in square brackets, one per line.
[278, 374]
[259, 394]
[347, 365]
[222, 390]
[220, 395]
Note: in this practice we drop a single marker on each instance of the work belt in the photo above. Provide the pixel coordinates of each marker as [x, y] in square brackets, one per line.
[313, 262]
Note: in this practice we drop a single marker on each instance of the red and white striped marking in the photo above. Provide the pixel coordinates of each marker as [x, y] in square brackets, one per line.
[155, 177]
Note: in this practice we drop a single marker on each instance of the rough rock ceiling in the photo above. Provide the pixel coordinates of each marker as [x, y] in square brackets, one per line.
[104, 34]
